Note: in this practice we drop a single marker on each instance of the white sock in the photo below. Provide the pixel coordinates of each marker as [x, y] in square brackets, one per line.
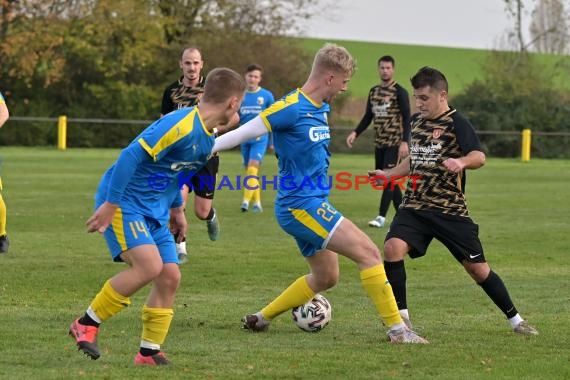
[150, 345]
[92, 315]
[514, 321]
[404, 313]
[181, 248]
[398, 326]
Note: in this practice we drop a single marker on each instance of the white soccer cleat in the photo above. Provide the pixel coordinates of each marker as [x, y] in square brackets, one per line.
[377, 222]
[524, 328]
[405, 335]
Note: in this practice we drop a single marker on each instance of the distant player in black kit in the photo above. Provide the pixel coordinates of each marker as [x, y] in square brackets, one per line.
[388, 108]
[185, 92]
[443, 145]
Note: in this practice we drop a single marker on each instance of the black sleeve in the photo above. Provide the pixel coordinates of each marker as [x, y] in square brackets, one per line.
[366, 119]
[465, 133]
[167, 104]
[404, 104]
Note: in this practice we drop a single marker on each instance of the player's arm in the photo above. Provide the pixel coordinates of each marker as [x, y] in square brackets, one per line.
[404, 106]
[253, 128]
[473, 158]
[4, 113]
[402, 169]
[178, 224]
[167, 104]
[127, 163]
[364, 123]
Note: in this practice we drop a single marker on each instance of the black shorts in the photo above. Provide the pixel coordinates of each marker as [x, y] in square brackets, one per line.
[418, 227]
[385, 157]
[203, 183]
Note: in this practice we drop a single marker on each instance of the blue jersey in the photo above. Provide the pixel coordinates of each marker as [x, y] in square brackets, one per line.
[146, 178]
[301, 137]
[253, 103]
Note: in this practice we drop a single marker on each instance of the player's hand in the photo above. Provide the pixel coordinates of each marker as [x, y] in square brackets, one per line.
[403, 150]
[350, 139]
[378, 177]
[102, 217]
[454, 165]
[178, 224]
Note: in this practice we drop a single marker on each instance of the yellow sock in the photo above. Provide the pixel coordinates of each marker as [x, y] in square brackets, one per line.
[108, 302]
[296, 294]
[379, 289]
[156, 322]
[251, 182]
[2, 216]
[256, 197]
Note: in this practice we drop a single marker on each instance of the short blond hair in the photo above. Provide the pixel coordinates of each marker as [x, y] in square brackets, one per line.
[221, 84]
[334, 57]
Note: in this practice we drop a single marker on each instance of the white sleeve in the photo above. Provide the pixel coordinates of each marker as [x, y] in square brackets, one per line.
[253, 128]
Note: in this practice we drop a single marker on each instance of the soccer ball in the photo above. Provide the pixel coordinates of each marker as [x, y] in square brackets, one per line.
[313, 316]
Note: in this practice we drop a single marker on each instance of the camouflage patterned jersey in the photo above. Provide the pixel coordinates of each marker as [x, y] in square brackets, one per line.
[178, 96]
[388, 108]
[432, 142]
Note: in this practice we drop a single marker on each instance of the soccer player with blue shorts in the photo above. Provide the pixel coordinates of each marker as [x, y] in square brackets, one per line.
[301, 137]
[139, 208]
[4, 242]
[256, 99]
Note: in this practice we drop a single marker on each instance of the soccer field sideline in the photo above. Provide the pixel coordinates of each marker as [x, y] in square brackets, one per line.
[54, 267]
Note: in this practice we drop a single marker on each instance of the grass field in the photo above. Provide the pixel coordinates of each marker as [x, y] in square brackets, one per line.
[54, 268]
[460, 66]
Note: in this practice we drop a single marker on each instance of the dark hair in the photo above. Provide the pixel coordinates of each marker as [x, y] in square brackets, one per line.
[428, 76]
[252, 67]
[221, 84]
[387, 58]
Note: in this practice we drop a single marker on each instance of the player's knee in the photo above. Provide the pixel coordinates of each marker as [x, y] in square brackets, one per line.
[329, 281]
[393, 251]
[478, 271]
[202, 211]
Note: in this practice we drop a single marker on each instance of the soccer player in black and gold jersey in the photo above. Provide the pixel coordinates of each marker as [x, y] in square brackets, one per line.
[388, 108]
[443, 145]
[186, 92]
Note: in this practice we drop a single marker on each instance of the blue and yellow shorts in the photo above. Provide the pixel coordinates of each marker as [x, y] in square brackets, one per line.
[312, 224]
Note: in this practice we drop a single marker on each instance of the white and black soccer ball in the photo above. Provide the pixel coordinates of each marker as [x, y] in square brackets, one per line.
[313, 316]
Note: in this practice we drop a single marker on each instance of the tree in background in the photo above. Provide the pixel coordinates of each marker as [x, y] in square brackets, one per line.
[549, 27]
[528, 97]
[112, 59]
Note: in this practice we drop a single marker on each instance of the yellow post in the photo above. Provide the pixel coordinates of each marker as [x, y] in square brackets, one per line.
[62, 132]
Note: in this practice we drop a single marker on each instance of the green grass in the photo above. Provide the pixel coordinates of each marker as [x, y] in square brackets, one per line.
[54, 268]
[460, 66]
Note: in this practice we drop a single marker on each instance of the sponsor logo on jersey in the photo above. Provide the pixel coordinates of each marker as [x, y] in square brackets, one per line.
[184, 165]
[320, 133]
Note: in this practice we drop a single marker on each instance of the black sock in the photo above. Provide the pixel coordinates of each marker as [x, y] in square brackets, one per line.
[496, 290]
[396, 273]
[86, 320]
[211, 214]
[385, 201]
[148, 351]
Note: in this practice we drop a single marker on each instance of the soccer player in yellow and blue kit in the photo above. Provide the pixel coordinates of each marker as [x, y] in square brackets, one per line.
[256, 99]
[4, 242]
[138, 199]
[301, 137]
